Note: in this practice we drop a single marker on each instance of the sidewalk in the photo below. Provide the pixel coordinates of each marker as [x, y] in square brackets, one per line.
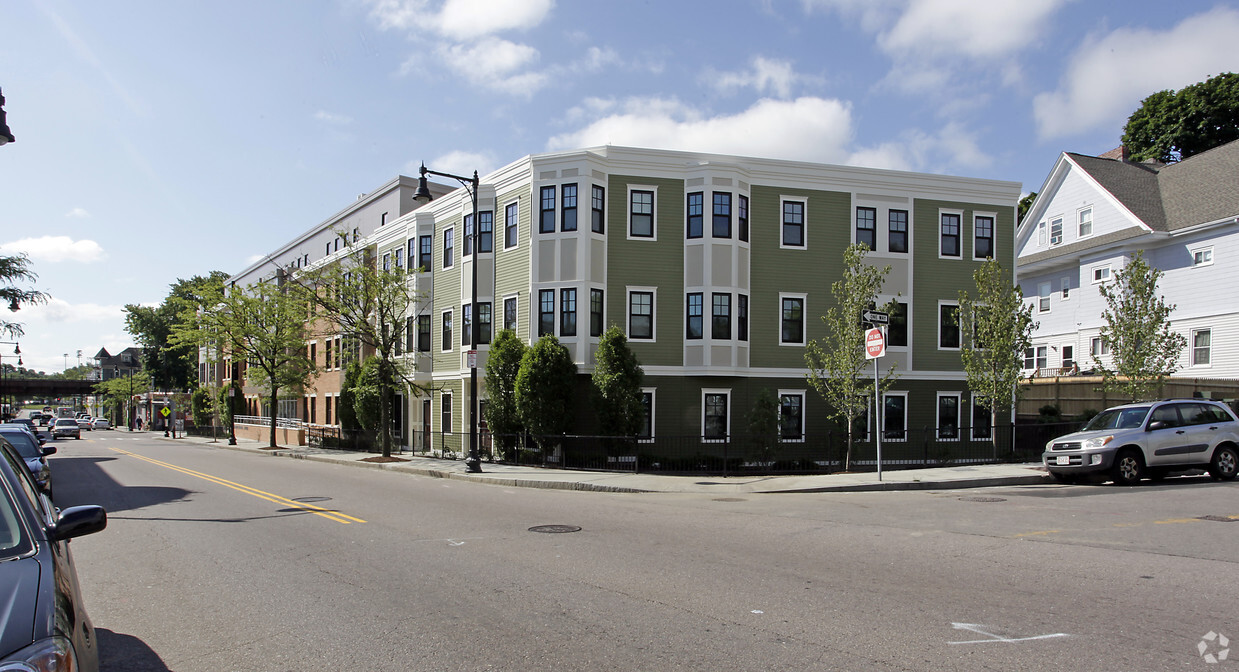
[944, 478]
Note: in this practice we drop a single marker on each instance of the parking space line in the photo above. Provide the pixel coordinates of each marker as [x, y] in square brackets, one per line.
[309, 508]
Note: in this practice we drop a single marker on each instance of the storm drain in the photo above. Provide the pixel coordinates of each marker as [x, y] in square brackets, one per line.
[1221, 519]
[554, 529]
[982, 499]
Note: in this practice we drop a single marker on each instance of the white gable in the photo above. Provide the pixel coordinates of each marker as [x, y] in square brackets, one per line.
[1074, 207]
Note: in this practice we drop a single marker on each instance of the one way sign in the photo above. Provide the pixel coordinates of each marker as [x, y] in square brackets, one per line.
[875, 317]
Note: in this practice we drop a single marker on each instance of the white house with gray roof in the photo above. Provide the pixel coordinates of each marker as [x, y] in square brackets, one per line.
[1091, 217]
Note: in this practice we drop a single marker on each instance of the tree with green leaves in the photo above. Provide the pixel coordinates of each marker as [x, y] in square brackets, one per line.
[171, 367]
[837, 363]
[119, 392]
[546, 389]
[14, 270]
[996, 328]
[1024, 206]
[264, 325]
[369, 305]
[1171, 126]
[1136, 326]
[616, 383]
[503, 364]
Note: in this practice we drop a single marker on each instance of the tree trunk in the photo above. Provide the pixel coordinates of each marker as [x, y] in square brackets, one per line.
[275, 395]
[384, 409]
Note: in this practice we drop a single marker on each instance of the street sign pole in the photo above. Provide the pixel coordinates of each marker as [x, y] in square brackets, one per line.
[875, 348]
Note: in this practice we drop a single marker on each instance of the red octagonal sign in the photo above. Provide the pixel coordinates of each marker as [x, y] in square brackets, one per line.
[875, 343]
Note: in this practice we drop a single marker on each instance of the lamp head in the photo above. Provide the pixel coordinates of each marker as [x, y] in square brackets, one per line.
[422, 195]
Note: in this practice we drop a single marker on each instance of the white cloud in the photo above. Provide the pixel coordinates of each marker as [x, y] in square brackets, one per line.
[459, 163]
[56, 248]
[77, 213]
[950, 149]
[60, 311]
[490, 60]
[469, 19]
[1109, 76]
[806, 129]
[766, 76]
[333, 118]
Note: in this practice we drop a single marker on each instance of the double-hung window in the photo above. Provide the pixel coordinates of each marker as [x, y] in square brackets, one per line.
[1043, 297]
[742, 218]
[641, 213]
[509, 313]
[696, 215]
[567, 219]
[715, 410]
[468, 236]
[897, 231]
[722, 215]
[546, 212]
[510, 220]
[793, 224]
[449, 242]
[598, 199]
[720, 323]
[399, 259]
[641, 315]
[596, 307]
[1084, 223]
[693, 320]
[445, 343]
[791, 322]
[742, 317]
[486, 232]
[1056, 231]
[895, 417]
[425, 247]
[466, 327]
[791, 415]
[1202, 345]
[546, 312]
[867, 227]
[948, 416]
[948, 245]
[484, 323]
[897, 326]
[423, 333]
[948, 326]
[567, 312]
[983, 237]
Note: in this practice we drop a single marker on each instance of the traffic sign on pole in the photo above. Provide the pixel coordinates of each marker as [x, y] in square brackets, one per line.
[875, 317]
[875, 343]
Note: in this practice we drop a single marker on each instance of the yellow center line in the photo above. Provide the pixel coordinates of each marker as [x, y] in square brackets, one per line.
[310, 508]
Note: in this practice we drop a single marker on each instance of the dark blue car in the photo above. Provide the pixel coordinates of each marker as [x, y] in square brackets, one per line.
[43, 621]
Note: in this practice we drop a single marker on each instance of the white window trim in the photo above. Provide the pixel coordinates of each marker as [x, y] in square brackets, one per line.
[959, 402]
[443, 251]
[972, 420]
[1097, 347]
[502, 306]
[804, 224]
[960, 213]
[804, 319]
[1109, 273]
[938, 319]
[726, 430]
[904, 439]
[1191, 345]
[993, 242]
[629, 291]
[1061, 234]
[451, 412]
[803, 398]
[1207, 249]
[1043, 296]
[1064, 290]
[495, 247]
[1092, 223]
[653, 392]
[450, 344]
[1042, 235]
[628, 213]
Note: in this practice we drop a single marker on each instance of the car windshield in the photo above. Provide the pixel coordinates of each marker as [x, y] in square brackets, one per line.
[1118, 418]
[25, 444]
[65, 422]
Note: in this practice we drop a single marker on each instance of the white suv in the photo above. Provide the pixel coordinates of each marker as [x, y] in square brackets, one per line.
[1152, 439]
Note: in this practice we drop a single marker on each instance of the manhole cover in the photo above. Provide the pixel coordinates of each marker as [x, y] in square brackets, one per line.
[728, 499]
[982, 499]
[1221, 519]
[554, 529]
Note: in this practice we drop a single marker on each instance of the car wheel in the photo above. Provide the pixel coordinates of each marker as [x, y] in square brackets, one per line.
[1225, 463]
[1128, 467]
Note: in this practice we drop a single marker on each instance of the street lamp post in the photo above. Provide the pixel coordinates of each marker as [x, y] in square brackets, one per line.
[17, 350]
[473, 463]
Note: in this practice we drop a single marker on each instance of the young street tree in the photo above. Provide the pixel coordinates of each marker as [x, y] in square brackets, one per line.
[1137, 329]
[15, 269]
[996, 328]
[171, 367]
[118, 393]
[503, 363]
[545, 389]
[617, 385]
[368, 305]
[837, 362]
[264, 325]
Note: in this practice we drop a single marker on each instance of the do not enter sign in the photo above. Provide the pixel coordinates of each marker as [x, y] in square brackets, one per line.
[875, 343]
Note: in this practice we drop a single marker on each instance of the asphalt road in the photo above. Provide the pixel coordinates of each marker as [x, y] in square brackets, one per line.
[220, 560]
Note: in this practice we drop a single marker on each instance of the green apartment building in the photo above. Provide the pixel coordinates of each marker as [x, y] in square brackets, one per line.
[717, 268]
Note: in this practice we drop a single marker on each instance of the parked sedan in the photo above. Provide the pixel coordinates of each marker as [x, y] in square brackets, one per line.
[100, 423]
[45, 625]
[66, 427]
[34, 455]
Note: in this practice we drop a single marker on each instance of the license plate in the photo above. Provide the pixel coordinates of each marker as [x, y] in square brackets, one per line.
[1063, 460]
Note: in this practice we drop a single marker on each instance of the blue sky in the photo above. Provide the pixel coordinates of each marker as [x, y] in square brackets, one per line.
[161, 140]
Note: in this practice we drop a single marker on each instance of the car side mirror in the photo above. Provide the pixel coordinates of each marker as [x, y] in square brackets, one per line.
[77, 521]
[1156, 424]
[49, 450]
